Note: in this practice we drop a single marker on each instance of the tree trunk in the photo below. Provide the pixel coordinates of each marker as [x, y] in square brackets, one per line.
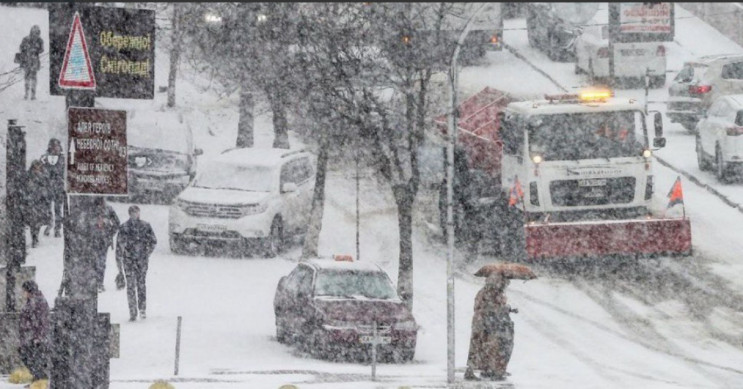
[280, 123]
[404, 199]
[312, 238]
[245, 122]
[175, 54]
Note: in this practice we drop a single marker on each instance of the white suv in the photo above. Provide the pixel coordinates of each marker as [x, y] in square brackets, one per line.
[720, 137]
[249, 197]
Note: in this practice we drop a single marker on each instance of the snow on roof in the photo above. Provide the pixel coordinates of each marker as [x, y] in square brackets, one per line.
[330, 264]
[544, 107]
[737, 100]
[706, 59]
[256, 156]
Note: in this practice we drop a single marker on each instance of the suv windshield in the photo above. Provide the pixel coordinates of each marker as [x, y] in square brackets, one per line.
[229, 176]
[585, 135]
[350, 283]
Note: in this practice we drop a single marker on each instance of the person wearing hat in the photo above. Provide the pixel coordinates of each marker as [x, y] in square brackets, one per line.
[491, 342]
[28, 59]
[54, 164]
[33, 330]
[134, 244]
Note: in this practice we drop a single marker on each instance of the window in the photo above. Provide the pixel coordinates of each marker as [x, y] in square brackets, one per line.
[686, 74]
[300, 281]
[732, 71]
[513, 136]
[739, 118]
[289, 172]
[304, 170]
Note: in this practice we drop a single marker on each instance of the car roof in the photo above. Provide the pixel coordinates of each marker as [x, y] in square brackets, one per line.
[256, 156]
[333, 265]
[707, 59]
[736, 100]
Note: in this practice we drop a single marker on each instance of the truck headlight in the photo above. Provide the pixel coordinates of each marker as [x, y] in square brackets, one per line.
[647, 153]
[537, 159]
[407, 325]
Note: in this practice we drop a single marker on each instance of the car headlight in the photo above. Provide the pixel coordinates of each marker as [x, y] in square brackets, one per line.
[254, 209]
[181, 204]
[407, 325]
[339, 325]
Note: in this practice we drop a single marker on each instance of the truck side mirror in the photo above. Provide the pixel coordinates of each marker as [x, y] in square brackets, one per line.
[658, 124]
[659, 142]
[197, 152]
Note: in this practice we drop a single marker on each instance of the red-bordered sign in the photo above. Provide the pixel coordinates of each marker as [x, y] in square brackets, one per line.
[77, 73]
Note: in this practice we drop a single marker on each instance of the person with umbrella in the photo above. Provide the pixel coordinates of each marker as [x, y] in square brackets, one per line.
[491, 342]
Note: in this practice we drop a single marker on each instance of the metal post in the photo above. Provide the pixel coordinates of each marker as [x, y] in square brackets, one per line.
[647, 88]
[452, 132]
[358, 216]
[177, 346]
[375, 341]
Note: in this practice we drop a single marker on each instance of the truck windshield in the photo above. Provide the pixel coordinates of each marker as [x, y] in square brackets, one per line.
[585, 135]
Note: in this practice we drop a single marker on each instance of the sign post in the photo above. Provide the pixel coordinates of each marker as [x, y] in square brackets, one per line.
[374, 339]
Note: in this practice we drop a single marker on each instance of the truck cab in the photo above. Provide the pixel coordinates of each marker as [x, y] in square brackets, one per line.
[579, 156]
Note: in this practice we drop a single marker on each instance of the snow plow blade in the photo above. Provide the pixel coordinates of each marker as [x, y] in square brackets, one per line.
[604, 238]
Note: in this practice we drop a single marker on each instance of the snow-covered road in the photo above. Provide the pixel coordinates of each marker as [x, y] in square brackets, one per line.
[666, 323]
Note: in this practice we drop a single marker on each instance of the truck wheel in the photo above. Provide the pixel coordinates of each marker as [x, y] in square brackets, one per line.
[703, 162]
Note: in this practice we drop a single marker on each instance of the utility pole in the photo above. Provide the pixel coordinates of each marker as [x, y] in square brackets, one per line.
[452, 132]
[15, 169]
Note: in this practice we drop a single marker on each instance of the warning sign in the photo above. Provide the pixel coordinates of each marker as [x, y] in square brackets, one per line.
[106, 49]
[76, 70]
[97, 160]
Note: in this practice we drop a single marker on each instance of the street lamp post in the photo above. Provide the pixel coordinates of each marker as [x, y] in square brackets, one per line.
[452, 132]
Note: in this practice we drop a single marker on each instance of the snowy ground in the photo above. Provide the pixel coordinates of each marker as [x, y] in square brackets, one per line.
[667, 323]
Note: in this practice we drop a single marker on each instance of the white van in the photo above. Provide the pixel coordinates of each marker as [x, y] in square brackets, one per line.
[631, 60]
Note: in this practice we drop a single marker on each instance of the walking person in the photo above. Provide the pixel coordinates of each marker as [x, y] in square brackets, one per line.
[33, 330]
[107, 224]
[37, 197]
[491, 342]
[134, 245]
[31, 47]
[54, 163]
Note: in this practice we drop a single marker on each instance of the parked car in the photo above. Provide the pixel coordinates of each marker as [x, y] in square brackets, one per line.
[162, 156]
[553, 27]
[701, 81]
[631, 60]
[719, 140]
[249, 197]
[330, 306]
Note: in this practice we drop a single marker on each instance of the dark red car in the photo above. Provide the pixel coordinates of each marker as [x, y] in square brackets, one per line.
[330, 306]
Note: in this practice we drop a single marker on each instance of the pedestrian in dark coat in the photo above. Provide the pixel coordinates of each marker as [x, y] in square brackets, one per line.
[491, 342]
[31, 47]
[134, 245]
[37, 205]
[55, 165]
[107, 224]
[33, 330]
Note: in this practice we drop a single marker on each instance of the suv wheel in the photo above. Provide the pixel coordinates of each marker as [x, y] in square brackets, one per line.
[703, 163]
[275, 241]
[721, 168]
[177, 246]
